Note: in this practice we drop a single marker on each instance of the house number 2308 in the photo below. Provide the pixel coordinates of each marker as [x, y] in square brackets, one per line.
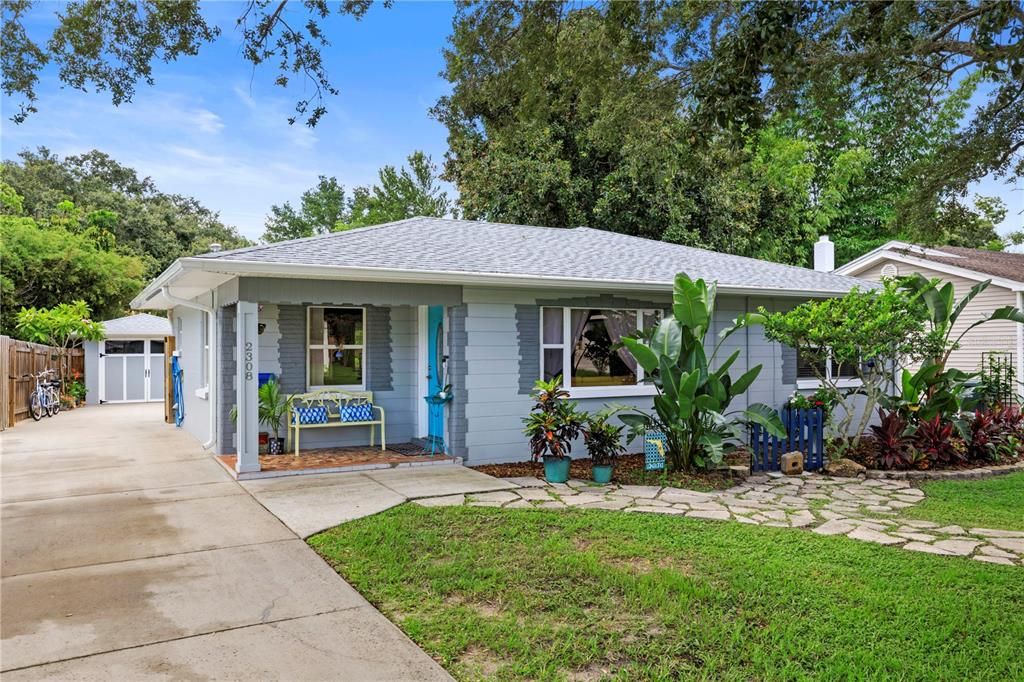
[248, 360]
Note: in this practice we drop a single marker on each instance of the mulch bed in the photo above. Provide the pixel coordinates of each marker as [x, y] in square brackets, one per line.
[629, 470]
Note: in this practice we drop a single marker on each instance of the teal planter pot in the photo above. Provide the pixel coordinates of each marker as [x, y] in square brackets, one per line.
[556, 469]
[602, 473]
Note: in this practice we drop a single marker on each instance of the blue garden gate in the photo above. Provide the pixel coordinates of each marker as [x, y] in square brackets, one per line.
[805, 432]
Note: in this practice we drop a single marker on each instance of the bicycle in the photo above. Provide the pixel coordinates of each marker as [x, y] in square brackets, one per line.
[44, 398]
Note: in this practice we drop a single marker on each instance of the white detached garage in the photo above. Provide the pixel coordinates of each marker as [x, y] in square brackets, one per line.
[128, 365]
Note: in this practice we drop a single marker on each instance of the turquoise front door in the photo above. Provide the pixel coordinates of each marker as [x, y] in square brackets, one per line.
[435, 374]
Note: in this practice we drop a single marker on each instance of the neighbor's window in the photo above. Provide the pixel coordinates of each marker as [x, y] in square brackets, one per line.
[581, 345]
[336, 347]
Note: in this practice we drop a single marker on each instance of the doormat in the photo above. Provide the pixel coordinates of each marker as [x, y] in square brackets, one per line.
[409, 449]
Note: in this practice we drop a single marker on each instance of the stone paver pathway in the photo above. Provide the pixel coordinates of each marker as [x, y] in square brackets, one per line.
[867, 510]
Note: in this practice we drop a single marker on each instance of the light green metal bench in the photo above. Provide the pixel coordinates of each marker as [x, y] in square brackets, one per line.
[333, 400]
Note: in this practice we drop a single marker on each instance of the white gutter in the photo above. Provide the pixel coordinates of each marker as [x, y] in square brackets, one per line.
[211, 351]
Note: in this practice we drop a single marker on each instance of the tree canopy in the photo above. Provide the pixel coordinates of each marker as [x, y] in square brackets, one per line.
[402, 193]
[113, 199]
[747, 127]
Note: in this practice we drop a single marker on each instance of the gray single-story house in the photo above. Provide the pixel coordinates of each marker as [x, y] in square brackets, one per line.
[407, 308]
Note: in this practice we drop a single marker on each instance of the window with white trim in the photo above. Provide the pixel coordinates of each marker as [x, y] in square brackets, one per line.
[582, 345]
[811, 368]
[335, 347]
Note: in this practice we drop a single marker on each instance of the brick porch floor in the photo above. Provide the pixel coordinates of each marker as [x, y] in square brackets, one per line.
[335, 459]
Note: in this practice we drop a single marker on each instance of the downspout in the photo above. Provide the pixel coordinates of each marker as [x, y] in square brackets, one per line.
[211, 350]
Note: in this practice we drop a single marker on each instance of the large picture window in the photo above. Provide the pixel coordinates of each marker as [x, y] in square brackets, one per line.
[336, 347]
[582, 345]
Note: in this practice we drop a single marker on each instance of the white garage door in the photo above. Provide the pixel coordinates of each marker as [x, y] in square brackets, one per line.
[131, 370]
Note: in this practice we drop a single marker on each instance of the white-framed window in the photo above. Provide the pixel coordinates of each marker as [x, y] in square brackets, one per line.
[335, 352]
[807, 377]
[579, 344]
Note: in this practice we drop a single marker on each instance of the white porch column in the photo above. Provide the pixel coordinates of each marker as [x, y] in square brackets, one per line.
[246, 387]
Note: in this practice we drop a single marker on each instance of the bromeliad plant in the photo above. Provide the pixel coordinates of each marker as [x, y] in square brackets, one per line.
[554, 422]
[693, 395]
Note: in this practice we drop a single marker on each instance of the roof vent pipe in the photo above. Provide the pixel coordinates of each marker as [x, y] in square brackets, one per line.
[824, 254]
[215, 247]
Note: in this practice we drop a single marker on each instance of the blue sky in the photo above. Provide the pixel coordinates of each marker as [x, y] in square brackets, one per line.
[214, 129]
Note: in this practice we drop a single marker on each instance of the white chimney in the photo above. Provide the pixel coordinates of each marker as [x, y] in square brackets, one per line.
[824, 254]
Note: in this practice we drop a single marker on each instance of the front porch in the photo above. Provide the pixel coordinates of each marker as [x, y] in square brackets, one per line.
[338, 460]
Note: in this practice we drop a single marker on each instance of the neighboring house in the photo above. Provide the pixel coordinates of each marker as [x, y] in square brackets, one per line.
[128, 365]
[964, 268]
[405, 308]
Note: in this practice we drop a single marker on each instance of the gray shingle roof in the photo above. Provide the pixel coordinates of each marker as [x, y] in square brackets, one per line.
[142, 324]
[465, 246]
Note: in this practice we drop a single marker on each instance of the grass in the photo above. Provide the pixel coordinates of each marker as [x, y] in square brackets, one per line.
[586, 595]
[996, 502]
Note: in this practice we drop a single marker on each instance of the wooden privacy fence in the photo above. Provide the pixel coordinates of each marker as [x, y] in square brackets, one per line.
[805, 432]
[21, 358]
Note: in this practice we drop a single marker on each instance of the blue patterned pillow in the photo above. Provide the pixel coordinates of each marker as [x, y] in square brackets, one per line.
[362, 412]
[311, 415]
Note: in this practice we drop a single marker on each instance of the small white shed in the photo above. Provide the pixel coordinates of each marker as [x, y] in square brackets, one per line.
[128, 365]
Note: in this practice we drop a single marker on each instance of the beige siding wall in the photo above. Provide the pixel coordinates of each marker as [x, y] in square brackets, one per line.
[993, 336]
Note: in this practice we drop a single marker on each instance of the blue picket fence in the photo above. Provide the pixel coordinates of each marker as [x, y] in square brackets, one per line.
[805, 431]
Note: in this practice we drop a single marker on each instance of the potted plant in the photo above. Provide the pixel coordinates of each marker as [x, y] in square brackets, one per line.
[552, 425]
[272, 408]
[604, 443]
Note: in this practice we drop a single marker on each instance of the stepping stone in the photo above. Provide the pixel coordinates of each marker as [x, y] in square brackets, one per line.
[549, 504]
[707, 506]
[445, 501]
[500, 497]
[645, 491]
[776, 524]
[951, 530]
[1012, 544]
[958, 547]
[519, 504]
[904, 499]
[869, 535]
[927, 549]
[817, 496]
[995, 533]
[717, 515]
[792, 501]
[919, 537]
[834, 527]
[993, 559]
[577, 483]
[608, 504]
[875, 509]
[920, 524]
[644, 509]
[898, 504]
[801, 519]
[775, 515]
[533, 493]
[527, 482]
[581, 499]
[744, 519]
[831, 515]
[680, 495]
[988, 550]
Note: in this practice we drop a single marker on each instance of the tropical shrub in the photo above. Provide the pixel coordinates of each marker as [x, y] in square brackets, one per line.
[893, 446]
[554, 422]
[693, 393]
[63, 326]
[602, 438]
[867, 332]
[271, 405]
[997, 383]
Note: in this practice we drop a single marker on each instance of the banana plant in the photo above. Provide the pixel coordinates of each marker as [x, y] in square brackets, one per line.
[694, 395]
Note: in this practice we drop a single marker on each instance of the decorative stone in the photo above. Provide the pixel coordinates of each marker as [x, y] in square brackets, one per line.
[995, 533]
[834, 527]
[533, 494]
[801, 519]
[608, 504]
[792, 463]
[1011, 544]
[869, 535]
[519, 504]
[845, 468]
[744, 519]
[919, 537]
[645, 491]
[988, 550]
[951, 530]
[993, 560]
[527, 482]
[581, 499]
[445, 501]
[913, 523]
[654, 510]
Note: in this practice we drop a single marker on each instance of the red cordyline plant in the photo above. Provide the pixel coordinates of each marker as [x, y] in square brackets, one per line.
[893, 447]
[935, 442]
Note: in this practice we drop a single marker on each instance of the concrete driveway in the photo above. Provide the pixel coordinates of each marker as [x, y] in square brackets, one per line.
[129, 553]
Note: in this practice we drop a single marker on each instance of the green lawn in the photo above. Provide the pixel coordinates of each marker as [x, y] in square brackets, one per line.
[584, 595]
[996, 502]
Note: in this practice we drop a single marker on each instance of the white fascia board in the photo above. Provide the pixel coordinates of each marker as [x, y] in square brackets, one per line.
[373, 274]
[930, 265]
[165, 278]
